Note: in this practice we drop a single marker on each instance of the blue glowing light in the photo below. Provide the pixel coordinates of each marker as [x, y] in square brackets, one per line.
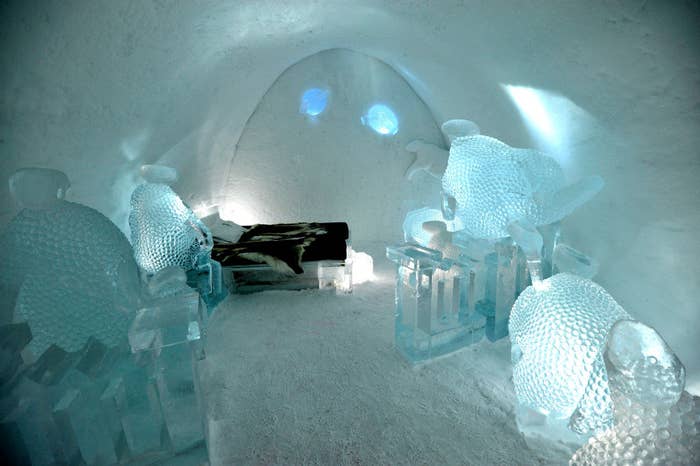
[313, 101]
[381, 119]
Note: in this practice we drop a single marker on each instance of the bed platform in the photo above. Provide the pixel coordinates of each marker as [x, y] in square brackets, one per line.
[289, 256]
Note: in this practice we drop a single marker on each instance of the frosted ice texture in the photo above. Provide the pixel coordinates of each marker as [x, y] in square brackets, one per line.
[656, 422]
[558, 334]
[164, 231]
[489, 185]
[642, 366]
[71, 273]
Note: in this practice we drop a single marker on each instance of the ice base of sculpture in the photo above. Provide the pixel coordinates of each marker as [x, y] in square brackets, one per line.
[479, 279]
[433, 316]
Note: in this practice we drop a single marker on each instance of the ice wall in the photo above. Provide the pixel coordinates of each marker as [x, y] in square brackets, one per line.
[97, 89]
[306, 154]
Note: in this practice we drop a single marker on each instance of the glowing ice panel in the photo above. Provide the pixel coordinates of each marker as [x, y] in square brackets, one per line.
[381, 119]
[314, 101]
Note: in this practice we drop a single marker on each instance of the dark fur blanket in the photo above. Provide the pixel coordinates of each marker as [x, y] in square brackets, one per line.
[284, 246]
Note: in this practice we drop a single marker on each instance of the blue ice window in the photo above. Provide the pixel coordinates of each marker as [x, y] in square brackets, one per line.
[313, 101]
[381, 119]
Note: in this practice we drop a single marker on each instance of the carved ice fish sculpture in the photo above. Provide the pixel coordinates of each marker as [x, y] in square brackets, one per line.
[558, 334]
[656, 420]
[164, 231]
[490, 185]
[68, 269]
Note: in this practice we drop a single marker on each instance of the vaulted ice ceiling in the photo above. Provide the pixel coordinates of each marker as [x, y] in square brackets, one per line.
[97, 89]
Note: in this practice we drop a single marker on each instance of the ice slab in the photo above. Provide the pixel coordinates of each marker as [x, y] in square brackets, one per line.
[169, 321]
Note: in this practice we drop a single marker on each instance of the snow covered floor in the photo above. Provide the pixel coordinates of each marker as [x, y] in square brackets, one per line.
[313, 378]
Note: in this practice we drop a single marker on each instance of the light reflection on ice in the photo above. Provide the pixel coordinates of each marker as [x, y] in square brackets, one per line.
[381, 119]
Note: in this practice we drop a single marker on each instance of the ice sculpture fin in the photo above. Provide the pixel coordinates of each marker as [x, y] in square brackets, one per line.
[570, 198]
[38, 188]
[429, 158]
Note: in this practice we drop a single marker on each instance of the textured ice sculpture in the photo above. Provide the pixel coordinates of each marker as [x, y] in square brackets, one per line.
[489, 185]
[164, 231]
[68, 269]
[558, 333]
[656, 422]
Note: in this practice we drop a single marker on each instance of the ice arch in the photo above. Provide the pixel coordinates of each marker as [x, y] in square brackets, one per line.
[290, 166]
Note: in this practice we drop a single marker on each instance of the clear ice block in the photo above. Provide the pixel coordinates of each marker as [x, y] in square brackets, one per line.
[433, 316]
[174, 374]
[171, 320]
[78, 415]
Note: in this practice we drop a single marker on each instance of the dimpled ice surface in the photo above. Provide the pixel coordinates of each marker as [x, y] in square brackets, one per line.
[492, 185]
[71, 274]
[558, 333]
[656, 422]
[164, 231]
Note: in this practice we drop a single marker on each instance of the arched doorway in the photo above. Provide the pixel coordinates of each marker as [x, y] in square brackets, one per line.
[327, 143]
